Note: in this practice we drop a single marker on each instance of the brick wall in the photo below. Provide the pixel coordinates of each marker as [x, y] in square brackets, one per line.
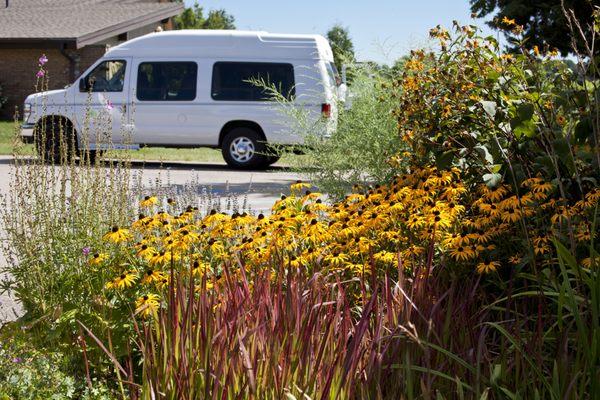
[17, 74]
[19, 66]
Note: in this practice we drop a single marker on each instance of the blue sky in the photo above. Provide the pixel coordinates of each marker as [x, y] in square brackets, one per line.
[381, 30]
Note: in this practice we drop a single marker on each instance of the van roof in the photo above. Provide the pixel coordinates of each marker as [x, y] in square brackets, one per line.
[225, 44]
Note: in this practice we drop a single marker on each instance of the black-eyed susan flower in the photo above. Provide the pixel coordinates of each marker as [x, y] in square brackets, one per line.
[298, 186]
[162, 258]
[463, 253]
[153, 276]
[541, 245]
[487, 267]
[98, 258]
[117, 235]
[145, 251]
[515, 259]
[147, 305]
[149, 201]
[336, 259]
[125, 280]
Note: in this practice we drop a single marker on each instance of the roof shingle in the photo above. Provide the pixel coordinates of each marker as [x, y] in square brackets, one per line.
[77, 20]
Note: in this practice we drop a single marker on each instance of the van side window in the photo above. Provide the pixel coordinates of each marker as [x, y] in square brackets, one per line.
[235, 81]
[108, 76]
[167, 81]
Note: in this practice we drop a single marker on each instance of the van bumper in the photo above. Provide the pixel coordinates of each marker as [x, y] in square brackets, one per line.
[27, 133]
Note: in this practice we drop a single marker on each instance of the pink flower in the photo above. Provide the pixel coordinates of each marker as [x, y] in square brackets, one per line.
[109, 105]
[40, 73]
[43, 59]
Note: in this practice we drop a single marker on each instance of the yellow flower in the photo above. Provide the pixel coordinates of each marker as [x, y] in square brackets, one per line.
[591, 262]
[149, 201]
[511, 215]
[508, 21]
[117, 235]
[486, 268]
[125, 280]
[542, 187]
[541, 245]
[200, 268]
[514, 260]
[153, 275]
[146, 251]
[336, 259]
[98, 259]
[162, 258]
[299, 185]
[463, 253]
[147, 305]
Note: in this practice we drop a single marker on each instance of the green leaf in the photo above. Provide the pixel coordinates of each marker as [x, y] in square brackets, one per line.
[583, 130]
[496, 168]
[496, 372]
[492, 180]
[489, 107]
[561, 147]
[524, 128]
[444, 160]
[525, 111]
[484, 154]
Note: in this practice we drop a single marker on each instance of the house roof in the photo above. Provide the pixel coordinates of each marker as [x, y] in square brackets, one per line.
[78, 23]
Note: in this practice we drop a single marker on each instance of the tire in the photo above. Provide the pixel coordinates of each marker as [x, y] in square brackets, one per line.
[244, 148]
[272, 159]
[55, 141]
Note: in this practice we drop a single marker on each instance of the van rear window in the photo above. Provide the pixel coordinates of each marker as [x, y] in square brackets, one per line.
[167, 81]
[237, 81]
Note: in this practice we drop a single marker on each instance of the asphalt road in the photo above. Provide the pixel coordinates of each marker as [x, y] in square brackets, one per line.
[258, 188]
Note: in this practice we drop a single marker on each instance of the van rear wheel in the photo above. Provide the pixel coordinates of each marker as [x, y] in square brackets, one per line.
[244, 148]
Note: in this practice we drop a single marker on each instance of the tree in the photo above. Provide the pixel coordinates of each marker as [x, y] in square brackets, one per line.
[193, 18]
[341, 45]
[543, 21]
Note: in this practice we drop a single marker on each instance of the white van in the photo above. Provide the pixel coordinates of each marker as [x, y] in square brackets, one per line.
[192, 88]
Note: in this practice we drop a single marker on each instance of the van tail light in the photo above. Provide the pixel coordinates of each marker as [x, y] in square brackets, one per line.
[326, 110]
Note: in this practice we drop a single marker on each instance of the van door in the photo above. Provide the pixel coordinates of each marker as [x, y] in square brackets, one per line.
[102, 105]
[163, 96]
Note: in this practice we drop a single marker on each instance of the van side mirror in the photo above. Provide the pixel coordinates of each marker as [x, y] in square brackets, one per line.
[84, 85]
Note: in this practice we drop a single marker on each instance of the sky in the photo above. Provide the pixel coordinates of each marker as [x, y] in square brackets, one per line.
[381, 30]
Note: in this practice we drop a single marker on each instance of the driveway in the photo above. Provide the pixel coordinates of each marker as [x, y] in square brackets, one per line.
[258, 188]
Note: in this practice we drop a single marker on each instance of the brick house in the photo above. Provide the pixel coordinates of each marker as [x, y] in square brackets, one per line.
[72, 34]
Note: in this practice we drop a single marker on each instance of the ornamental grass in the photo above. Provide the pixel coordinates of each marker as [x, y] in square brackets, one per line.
[346, 300]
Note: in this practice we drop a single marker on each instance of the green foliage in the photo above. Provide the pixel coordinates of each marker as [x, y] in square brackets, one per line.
[341, 45]
[544, 22]
[193, 18]
[498, 116]
[365, 138]
[27, 373]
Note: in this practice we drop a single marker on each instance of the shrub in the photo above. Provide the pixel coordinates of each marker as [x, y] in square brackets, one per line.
[38, 374]
[365, 137]
[500, 117]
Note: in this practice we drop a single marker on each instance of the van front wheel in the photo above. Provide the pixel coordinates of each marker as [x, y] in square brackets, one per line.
[243, 148]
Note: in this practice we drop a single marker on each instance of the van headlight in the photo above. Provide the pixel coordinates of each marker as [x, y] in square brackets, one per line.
[26, 112]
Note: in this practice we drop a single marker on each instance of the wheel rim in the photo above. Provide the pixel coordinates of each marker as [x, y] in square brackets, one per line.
[242, 149]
